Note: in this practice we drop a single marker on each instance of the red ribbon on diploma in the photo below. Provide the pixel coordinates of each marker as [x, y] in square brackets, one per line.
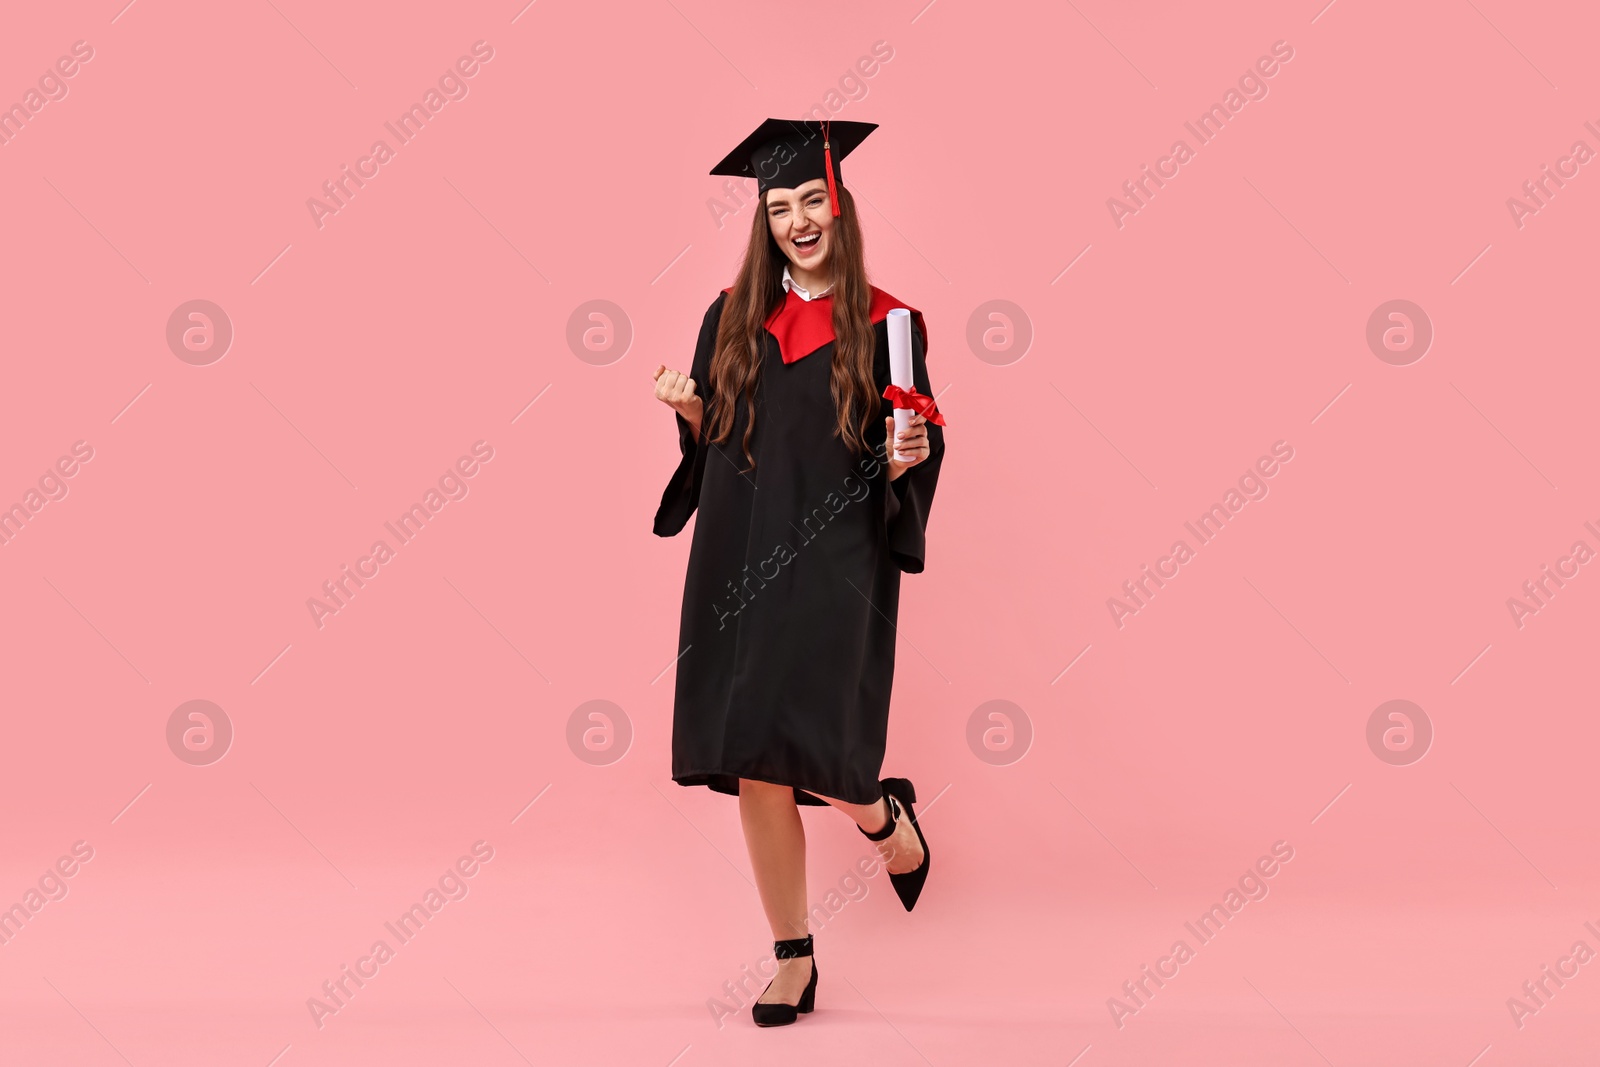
[911, 400]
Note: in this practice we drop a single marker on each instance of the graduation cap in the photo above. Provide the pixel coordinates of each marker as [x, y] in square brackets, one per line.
[787, 153]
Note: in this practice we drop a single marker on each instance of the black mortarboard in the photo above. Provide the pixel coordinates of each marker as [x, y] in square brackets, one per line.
[786, 153]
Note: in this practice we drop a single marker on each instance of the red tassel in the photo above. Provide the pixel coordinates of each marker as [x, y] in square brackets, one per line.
[827, 162]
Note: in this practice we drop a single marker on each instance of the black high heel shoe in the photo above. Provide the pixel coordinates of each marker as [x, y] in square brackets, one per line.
[781, 1014]
[899, 792]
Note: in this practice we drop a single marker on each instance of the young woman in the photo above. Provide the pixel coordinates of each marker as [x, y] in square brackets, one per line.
[806, 521]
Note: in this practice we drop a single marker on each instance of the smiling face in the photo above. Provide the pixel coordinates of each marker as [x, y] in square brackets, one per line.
[801, 221]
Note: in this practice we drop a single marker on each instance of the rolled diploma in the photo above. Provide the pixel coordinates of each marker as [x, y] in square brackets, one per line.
[900, 366]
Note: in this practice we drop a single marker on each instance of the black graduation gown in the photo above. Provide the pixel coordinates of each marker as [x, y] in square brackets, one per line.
[793, 587]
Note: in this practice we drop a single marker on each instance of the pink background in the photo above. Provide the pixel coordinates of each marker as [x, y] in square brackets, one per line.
[1230, 713]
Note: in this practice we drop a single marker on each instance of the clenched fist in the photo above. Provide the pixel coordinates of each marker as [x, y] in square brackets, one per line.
[676, 390]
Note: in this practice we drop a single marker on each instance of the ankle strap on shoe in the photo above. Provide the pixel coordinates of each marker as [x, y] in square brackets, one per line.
[888, 827]
[794, 949]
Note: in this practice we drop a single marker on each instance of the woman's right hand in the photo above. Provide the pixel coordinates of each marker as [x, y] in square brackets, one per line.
[676, 390]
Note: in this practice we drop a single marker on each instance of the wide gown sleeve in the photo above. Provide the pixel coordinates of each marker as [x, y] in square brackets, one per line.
[909, 498]
[682, 494]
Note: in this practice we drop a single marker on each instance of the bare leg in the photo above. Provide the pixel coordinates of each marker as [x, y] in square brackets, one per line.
[901, 851]
[777, 842]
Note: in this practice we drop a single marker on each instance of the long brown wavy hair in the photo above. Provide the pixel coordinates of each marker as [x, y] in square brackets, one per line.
[757, 293]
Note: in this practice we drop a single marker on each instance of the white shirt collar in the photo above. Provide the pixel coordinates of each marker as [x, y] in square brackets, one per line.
[790, 283]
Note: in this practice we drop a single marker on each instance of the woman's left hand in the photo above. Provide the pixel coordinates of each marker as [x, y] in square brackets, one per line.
[913, 444]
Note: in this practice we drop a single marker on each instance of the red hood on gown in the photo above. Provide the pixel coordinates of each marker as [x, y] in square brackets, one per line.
[803, 326]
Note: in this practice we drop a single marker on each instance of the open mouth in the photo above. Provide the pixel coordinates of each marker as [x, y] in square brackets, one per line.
[808, 244]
